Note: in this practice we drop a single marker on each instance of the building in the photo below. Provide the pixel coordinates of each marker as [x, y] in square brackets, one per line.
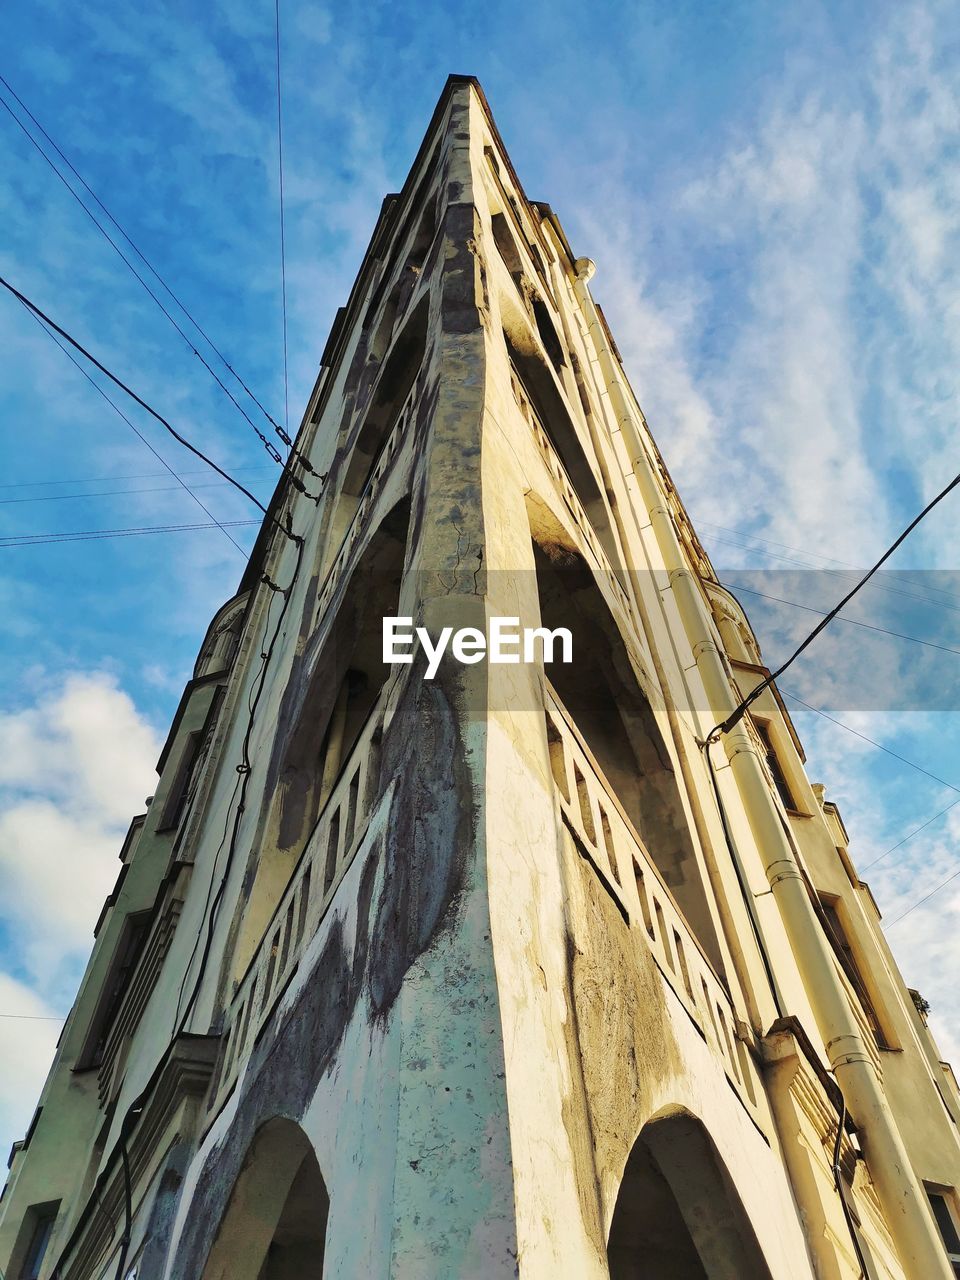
[504, 972]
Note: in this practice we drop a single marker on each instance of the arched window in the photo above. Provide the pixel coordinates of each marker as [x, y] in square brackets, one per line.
[678, 1215]
[603, 696]
[222, 638]
[275, 1225]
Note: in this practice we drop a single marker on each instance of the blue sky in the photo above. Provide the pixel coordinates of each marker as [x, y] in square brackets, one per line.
[771, 195]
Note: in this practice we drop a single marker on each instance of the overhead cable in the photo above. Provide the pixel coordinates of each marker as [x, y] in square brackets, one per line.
[283, 247]
[853, 622]
[926, 898]
[741, 709]
[283, 433]
[88, 535]
[139, 434]
[143, 404]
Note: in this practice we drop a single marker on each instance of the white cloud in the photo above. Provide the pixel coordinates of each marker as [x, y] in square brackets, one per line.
[28, 1035]
[75, 765]
[787, 309]
[74, 768]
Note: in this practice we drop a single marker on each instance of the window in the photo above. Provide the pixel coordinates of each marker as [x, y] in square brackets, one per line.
[776, 769]
[180, 790]
[840, 942]
[942, 1202]
[39, 1223]
[114, 989]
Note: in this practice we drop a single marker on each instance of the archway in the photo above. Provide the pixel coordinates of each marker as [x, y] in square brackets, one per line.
[678, 1215]
[326, 722]
[275, 1224]
[603, 696]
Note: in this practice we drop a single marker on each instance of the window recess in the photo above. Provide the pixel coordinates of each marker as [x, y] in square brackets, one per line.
[943, 1202]
[38, 1224]
[784, 790]
[114, 989]
[177, 799]
[843, 949]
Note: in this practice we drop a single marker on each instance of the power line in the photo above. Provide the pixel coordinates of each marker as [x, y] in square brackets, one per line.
[136, 431]
[106, 493]
[89, 535]
[896, 755]
[845, 565]
[879, 745]
[244, 771]
[137, 475]
[853, 622]
[916, 831]
[283, 433]
[32, 1017]
[739, 711]
[846, 572]
[283, 249]
[270, 448]
[143, 404]
[926, 898]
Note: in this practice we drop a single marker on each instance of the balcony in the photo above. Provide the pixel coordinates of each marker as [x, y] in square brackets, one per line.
[590, 543]
[365, 503]
[609, 841]
[329, 852]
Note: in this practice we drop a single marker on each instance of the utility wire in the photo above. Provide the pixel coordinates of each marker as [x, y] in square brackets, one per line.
[137, 475]
[244, 770]
[283, 249]
[853, 622]
[926, 898]
[915, 832]
[896, 755]
[139, 434]
[844, 565]
[32, 1017]
[90, 535]
[926, 598]
[143, 404]
[281, 431]
[741, 709]
[105, 493]
[879, 745]
[270, 448]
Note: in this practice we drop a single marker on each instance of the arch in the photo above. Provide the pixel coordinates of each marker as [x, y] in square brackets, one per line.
[601, 691]
[362, 451]
[223, 637]
[678, 1215]
[540, 385]
[275, 1223]
[330, 713]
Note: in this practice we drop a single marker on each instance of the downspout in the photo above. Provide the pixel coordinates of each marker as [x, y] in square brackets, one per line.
[898, 1188]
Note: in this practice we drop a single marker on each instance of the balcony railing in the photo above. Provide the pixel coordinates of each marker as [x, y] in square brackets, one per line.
[369, 495]
[620, 859]
[330, 850]
[589, 540]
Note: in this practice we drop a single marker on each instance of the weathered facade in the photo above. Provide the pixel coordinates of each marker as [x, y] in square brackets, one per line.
[505, 972]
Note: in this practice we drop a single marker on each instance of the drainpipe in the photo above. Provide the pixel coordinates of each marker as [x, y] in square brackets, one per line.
[898, 1188]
